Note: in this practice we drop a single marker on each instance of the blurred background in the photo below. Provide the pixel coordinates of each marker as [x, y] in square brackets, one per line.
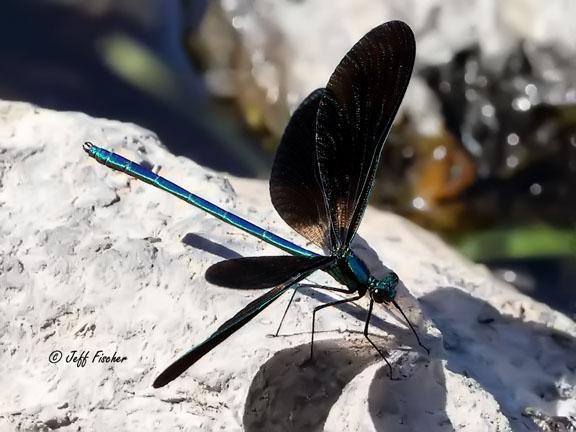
[483, 151]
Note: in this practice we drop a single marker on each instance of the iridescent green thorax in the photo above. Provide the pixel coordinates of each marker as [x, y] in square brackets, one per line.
[352, 272]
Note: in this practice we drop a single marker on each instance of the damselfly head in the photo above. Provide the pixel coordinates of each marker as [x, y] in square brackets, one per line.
[384, 290]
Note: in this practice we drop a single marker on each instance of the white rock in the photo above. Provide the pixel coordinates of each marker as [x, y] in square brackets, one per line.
[91, 259]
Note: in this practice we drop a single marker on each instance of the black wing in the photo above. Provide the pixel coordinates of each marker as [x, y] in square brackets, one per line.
[294, 185]
[257, 272]
[354, 118]
[236, 322]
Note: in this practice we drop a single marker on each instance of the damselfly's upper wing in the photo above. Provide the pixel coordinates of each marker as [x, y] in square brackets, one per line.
[354, 118]
[238, 320]
[294, 185]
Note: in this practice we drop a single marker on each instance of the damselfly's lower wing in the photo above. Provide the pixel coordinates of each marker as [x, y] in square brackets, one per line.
[258, 272]
[237, 321]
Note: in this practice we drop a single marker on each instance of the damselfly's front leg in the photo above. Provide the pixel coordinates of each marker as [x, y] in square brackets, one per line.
[370, 340]
[411, 327]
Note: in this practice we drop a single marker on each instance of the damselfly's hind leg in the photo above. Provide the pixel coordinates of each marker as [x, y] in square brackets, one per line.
[411, 327]
[328, 288]
[373, 344]
[317, 308]
[286, 310]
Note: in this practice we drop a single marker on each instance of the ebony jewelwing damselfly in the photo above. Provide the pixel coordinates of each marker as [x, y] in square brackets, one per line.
[320, 183]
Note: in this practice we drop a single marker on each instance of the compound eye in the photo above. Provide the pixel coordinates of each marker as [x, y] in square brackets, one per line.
[379, 295]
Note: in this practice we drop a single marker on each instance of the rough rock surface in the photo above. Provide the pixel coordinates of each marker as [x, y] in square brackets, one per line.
[91, 260]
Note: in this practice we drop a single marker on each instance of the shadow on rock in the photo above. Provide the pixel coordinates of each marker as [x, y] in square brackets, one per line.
[521, 363]
[417, 402]
[347, 381]
[202, 243]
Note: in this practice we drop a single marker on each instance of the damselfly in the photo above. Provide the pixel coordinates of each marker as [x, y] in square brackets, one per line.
[321, 179]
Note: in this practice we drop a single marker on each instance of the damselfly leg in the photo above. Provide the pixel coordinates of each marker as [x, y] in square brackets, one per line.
[368, 316]
[411, 327]
[315, 286]
[317, 308]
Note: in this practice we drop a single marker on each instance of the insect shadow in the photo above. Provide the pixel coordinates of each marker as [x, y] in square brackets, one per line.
[284, 396]
[202, 243]
[520, 363]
